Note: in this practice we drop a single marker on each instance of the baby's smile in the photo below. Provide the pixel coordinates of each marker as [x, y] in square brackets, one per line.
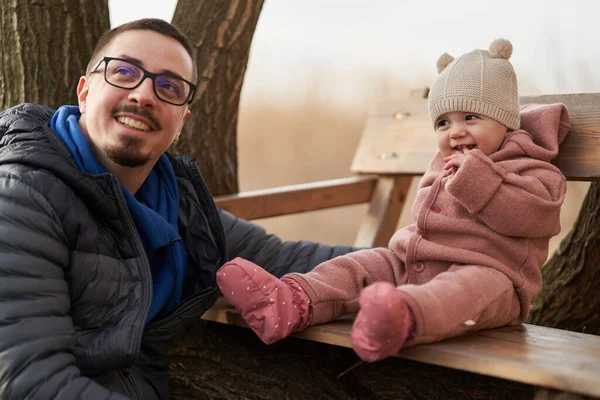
[463, 148]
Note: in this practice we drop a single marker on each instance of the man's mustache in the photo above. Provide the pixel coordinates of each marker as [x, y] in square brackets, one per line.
[142, 112]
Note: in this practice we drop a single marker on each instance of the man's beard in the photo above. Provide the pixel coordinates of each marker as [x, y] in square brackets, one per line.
[128, 153]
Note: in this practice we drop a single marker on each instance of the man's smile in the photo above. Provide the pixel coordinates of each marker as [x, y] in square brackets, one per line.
[131, 123]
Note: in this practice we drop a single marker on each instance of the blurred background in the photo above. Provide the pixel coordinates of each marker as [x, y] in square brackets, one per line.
[317, 67]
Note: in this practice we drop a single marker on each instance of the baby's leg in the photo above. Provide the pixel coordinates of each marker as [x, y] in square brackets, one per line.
[271, 307]
[468, 298]
[383, 324]
[276, 308]
[334, 286]
[465, 298]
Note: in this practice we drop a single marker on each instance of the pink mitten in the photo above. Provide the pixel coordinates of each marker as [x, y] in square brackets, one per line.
[273, 308]
[383, 323]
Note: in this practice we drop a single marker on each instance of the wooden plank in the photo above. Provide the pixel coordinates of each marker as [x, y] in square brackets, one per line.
[531, 354]
[580, 152]
[396, 140]
[299, 198]
[384, 211]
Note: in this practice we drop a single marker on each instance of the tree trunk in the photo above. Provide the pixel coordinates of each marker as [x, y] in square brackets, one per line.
[45, 47]
[227, 362]
[570, 298]
[221, 32]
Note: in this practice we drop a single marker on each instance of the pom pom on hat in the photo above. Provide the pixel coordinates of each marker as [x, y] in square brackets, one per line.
[501, 48]
[443, 62]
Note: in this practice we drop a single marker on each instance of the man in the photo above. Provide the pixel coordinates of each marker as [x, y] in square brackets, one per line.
[110, 246]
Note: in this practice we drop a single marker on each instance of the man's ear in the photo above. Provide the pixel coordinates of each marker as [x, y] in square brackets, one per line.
[185, 116]
[82, 92]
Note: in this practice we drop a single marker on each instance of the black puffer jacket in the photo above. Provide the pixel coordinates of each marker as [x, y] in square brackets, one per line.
[75, 284]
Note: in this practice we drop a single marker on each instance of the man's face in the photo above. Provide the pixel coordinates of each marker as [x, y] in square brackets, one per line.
[133, 127]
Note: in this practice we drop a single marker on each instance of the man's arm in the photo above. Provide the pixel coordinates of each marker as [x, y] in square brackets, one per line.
[252, 242]
[37, 337]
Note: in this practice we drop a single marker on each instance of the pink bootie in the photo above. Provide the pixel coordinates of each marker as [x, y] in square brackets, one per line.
[383, 323]
[271, 307]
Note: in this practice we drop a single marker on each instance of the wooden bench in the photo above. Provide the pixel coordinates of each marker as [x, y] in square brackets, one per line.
[389, 156]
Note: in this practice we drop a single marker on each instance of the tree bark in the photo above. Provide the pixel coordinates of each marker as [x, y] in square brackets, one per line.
[221, 33]
[570, 298]
[227, 362]
[45, 47]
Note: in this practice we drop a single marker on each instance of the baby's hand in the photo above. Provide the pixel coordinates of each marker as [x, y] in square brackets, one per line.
[453, 162]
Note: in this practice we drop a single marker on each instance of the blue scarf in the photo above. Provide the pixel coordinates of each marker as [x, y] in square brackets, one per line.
[154, 210]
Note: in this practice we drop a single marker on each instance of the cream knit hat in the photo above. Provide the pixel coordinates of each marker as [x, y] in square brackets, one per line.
[482, 82]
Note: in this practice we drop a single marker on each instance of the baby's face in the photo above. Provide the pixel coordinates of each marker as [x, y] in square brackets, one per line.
[460, 132]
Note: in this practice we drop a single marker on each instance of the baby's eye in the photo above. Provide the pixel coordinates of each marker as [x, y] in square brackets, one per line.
[442, 123]
[471, 117]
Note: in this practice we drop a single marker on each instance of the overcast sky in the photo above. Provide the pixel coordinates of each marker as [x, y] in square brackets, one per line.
[344, 44]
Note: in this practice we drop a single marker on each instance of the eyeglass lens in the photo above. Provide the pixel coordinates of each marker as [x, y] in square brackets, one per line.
[127, 75]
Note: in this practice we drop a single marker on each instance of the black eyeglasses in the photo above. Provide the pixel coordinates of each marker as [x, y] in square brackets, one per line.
[128, 75]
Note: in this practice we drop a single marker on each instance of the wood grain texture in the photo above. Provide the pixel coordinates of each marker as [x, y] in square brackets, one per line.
[299, 198]
[569, 298]
[387, 201]
[579, 156]
[219, 361]
[398, 139]
[529, 354]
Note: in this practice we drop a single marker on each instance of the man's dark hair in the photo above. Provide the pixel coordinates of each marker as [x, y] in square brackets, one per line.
[150, 24]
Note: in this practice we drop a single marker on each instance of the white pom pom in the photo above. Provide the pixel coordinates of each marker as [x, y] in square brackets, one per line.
[501, 48]
[443, 62]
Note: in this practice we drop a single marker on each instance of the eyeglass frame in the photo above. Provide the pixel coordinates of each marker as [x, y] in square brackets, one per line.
[146, 74]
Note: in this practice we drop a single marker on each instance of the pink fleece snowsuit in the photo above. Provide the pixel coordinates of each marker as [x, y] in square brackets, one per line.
[472, 258]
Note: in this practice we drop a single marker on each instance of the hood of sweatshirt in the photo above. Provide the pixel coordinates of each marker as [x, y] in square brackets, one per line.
[543, 128]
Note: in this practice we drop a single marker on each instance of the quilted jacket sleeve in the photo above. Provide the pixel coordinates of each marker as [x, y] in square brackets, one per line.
[36, 332]
[252, 242]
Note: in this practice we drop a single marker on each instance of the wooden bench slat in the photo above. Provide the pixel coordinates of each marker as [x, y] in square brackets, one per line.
[299, 198]
[580, 152]
[579, 155]
[384, 211]
[527, 353]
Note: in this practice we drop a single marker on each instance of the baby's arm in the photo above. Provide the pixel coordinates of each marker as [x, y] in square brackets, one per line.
[526, 204]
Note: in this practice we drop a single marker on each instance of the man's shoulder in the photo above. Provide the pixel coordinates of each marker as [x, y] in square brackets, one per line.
[25, 122]
[26, 155]
[35, 114]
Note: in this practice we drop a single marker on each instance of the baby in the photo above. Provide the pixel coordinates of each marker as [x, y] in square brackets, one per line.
[484, 214]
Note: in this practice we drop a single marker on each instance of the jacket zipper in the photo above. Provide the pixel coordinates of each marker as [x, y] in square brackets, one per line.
[129, 383]
[205, 197]
[145, 270]
[179, 309]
